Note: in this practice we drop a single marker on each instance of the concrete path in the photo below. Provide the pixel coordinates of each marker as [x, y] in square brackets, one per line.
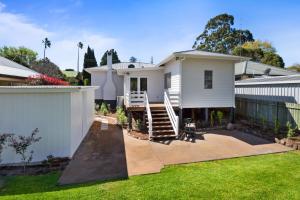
[100, 156]
[108, 153]
[218, 144]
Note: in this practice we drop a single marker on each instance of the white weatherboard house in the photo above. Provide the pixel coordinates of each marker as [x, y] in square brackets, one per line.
[185, 84]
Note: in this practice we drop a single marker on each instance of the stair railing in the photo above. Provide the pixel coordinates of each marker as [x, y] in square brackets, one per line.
[149, 115]
[171, 113]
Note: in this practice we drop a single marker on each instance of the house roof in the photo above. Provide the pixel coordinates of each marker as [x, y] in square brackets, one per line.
[69, 74]
[255, 68]
[201, 54]
[270, 80]
[121, 65]
[10, 68]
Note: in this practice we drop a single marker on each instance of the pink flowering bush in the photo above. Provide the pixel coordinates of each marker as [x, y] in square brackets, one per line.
[45, 80]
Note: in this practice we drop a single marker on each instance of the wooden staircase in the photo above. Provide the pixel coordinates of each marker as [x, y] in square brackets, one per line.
[161, 124]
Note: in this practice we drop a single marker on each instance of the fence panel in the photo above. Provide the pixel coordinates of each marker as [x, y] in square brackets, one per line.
[258, 110]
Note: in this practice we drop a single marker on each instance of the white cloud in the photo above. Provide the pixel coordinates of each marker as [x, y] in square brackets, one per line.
[2, 6]
[18, 30]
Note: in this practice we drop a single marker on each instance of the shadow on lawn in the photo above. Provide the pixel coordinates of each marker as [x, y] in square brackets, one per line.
[21, 185]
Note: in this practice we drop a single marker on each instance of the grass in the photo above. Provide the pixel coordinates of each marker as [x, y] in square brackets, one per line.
[274, 176]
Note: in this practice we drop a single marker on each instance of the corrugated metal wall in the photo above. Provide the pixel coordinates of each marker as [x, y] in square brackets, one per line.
[271, 102]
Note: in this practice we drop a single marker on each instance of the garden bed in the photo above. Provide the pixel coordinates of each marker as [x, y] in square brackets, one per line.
[55, 164]
[141, 135]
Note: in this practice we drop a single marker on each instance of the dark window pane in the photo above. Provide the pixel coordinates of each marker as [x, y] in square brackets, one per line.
[133, 84]
[167, 80]
[208, 78]
[143, 84]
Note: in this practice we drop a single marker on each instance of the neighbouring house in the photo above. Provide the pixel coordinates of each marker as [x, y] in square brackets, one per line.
[186, 84]
[250, 69]
[70, 73]
[12, 73]
[269, 99]
[62, 114]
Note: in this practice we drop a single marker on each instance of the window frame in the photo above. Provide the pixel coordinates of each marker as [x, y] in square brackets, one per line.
[167, 80]
[208, 79]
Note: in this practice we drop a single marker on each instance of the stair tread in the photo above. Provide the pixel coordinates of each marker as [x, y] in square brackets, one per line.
[163, 136]
[166, 126]
[162, 122]
[163, 131]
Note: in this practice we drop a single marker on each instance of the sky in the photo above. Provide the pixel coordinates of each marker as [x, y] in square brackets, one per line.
[141, 28]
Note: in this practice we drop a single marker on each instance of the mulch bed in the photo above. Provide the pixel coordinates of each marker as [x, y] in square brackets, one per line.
[139, 135]
[56, 164]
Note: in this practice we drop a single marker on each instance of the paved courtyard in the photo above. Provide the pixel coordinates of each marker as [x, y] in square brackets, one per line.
[110, 153]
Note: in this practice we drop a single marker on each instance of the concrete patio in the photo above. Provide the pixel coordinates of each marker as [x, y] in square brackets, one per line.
[113, 154]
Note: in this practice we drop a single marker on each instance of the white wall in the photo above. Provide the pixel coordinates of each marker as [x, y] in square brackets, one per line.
[174, 68]
[58, 114]
[155, 83]
[98, 79]
[193, 93]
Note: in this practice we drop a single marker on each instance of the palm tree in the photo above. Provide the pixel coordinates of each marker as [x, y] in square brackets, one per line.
[47, 44]
[80, 46]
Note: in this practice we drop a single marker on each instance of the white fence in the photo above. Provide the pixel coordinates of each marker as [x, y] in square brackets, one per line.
[63, 115]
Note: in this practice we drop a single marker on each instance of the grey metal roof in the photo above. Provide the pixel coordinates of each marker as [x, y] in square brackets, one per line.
[121, 65]
[255, 68]
[201, 54]
[10, 68]
[270, 80]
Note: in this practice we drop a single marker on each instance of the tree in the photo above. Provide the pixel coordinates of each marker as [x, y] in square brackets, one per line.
[132, 59]
[80, 46]
[89, 61]
[48, 68]
[260, 51]
[47, 44]
[219, 35]
[115, 58]
[21, 55]
[273, 59]
[295, 67]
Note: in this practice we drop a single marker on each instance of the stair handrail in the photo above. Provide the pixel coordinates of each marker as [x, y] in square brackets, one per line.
[171, 113]
[149, 115]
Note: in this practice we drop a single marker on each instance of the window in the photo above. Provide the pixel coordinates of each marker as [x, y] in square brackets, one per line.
[208, 79]
[143, 84]
[133, 84]
[167, 80]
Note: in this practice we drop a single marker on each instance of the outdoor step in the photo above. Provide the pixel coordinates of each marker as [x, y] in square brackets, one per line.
[161, 126]
[160, 122]
[158, 114]
[163, 136]
[162, 131]
[159, 110]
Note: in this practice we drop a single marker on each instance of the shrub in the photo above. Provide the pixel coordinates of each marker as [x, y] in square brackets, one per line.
[104, 109]
[45, 80]
[276, 126]
[263, 122]
[21, 143]
[86, 82]
[220, 116]
[290, 130]
[121, 117]
[212, 118]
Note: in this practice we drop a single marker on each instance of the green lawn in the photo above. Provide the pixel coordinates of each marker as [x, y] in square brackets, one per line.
[275, 176]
